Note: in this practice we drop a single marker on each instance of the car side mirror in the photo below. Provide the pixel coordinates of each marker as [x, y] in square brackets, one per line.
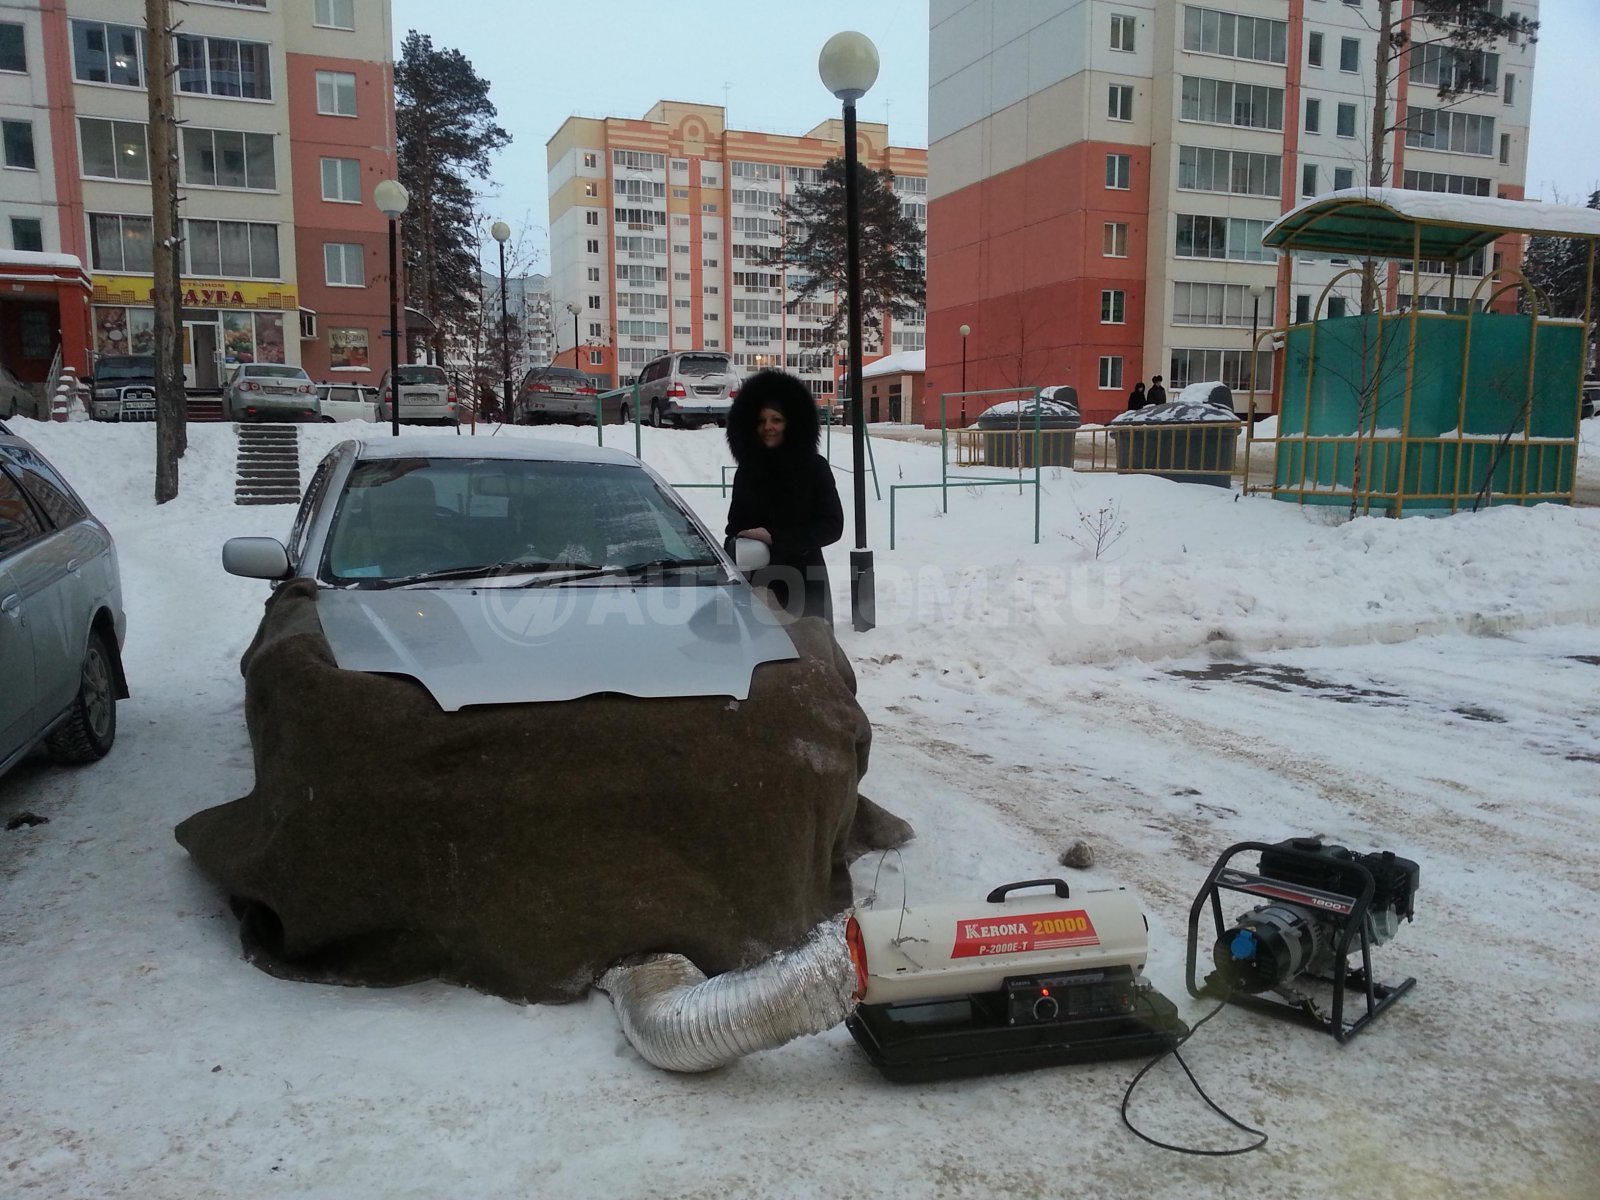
[255, 558]
[750, 554]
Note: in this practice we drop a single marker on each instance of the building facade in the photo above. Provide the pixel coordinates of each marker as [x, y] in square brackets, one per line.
[286, 112]
[654, 224]
[1101, 173]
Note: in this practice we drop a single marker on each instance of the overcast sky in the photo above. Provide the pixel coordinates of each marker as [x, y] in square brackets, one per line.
[547, 61]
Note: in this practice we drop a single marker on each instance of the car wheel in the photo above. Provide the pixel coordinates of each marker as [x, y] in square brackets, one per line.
[92, 726]
[655, 415]
[328, 421]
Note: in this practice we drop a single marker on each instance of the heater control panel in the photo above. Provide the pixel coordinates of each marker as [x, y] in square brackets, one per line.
[1069, 996]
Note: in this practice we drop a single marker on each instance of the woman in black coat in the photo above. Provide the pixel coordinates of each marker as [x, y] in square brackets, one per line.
[783, 491]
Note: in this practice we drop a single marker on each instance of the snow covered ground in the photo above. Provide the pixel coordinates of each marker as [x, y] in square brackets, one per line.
[1227, 669]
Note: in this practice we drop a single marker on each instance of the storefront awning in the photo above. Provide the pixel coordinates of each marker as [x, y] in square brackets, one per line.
[1393, 223]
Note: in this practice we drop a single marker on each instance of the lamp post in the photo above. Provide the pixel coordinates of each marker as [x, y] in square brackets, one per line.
[391, 200]
[500, 231]
[964, 331]
[574, 308]
[848, 65]
[1256, 292]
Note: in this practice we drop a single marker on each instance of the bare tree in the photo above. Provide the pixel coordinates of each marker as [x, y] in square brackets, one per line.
[171, 407]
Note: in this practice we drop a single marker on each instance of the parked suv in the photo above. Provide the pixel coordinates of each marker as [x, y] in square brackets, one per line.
[426, 396]
[552, 393]
[345, 402]
[61, 621]
[687, 388]
[269, 391]
[124, 388]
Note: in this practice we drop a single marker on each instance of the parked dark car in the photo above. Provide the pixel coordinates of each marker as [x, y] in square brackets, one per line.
[124, 388]
[1591, 400]
[61, 620]
[561, 394]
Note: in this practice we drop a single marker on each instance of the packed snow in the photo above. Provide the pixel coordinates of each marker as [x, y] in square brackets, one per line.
[1171, 669]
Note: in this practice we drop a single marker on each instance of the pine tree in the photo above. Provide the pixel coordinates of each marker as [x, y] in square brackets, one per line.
[445, 133]
[892, 247]
[1557, 267]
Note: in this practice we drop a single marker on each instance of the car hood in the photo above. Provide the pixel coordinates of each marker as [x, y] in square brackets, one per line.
[500, 645]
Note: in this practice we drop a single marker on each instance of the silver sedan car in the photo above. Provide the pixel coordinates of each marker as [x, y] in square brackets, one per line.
[61, 620]
[270, 391]
[518, 571]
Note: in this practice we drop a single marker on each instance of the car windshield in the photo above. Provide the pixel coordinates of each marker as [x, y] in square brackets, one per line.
[135, 367]
[422, 375]
[509, 522]
[266, 370]
[703, 364]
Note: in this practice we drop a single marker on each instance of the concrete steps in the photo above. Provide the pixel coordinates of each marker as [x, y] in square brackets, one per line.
[269, 465]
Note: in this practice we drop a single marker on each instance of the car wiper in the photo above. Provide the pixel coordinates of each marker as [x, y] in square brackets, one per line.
[631, 570]
[484, 570]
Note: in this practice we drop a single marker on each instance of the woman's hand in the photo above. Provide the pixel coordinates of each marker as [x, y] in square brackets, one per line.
[759, 534]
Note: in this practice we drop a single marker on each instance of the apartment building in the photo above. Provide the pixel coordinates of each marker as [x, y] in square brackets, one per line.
[1101, 173]
[287, 124]
[656, 227]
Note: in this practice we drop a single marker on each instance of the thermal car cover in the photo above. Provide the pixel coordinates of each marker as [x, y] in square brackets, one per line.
[522, 849]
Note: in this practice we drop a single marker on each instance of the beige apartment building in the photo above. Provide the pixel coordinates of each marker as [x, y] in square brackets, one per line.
[653, 223]
[1101, 173]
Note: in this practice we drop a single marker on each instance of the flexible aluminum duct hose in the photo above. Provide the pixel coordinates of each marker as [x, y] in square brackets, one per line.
[679, 1020]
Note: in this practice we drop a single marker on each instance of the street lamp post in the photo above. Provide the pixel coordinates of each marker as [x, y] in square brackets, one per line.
[964, 331]
[574, 308]
[391, 200]
[848, 65]
[1256, 292]
[500, 231]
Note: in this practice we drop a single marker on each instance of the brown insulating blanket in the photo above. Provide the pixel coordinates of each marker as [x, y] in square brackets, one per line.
[522, 849]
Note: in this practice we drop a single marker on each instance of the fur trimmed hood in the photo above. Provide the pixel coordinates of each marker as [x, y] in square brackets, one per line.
[790, 396]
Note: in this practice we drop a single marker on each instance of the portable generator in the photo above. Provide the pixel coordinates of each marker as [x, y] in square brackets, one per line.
[1013, 983]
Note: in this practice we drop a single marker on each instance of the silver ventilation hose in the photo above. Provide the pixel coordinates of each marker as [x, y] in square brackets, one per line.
[679, 1020]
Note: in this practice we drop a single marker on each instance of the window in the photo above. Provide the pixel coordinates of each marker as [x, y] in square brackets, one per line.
[1308, 179]
[1452, 132]
[593, 189]
[596, 357]
[1510, 90]
[1343, 177]
[708, 208]
[682, 329]
[1432, 181]
[13, 53]
[238, 249]
[680, 248]
[336, 93]
[113, 149]
[594, 274]
[1302, 309]
[1118, 169]
[594, 303]
[104, 53]
[1335, 306]
[308, 325]
[1505, 147]
[1223, 102]
[118, 244]
[341, 180]
[349, 349]
[1115, 243]
[1313, 115]
[709, 263]
[1221, 304]
[1231, 367]
[27, 233]
[225, 158]
[17, 138]
[1119, 104]
[344, 264]
[592, 246]
[334, 14]
[639, 160]
[592, 217]
[1442, 66]
[1122, 27]
[680, 193]
[1232, 172]
[1345, 121]
[211, 66]
[594, 329]
[591, 160]
[1113, 307]
[1111, 372]
[1260, 39]
[1350, 55]
[710, 235]
[1313, 49]
[711, 289]
[1221, 237]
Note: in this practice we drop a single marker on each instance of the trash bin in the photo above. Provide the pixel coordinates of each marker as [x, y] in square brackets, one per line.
[1189, 440]
[1008, 429]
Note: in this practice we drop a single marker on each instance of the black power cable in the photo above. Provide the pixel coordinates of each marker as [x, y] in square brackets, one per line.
[1173, 1050]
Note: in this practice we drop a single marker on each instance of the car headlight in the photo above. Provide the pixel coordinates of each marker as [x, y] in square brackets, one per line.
[105, 393]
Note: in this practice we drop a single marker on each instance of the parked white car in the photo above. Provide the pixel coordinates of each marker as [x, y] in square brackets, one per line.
[426, 396]
[346, 402]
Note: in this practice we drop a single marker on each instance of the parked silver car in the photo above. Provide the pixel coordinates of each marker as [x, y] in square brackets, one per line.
[564, 394]
[15, 396]
[269, 392]
[517, 571]
[61, 620]
[687, 388]
[426, 396]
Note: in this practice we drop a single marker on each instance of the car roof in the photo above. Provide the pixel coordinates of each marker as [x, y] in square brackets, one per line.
[525, 449]
[275, 366]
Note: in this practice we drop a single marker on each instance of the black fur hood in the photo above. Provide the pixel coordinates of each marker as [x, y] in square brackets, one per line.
[790, 396]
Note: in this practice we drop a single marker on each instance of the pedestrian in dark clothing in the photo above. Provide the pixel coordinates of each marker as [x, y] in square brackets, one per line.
[783, 491]
[1157, 394]
[1136, 398]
